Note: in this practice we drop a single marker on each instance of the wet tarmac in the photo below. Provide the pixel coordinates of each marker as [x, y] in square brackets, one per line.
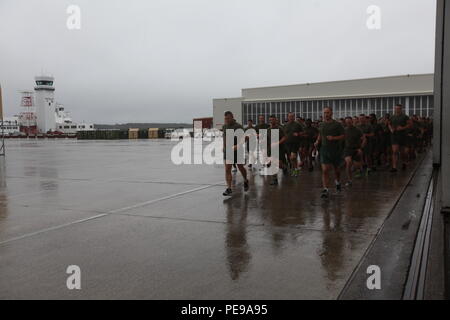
[140, 227]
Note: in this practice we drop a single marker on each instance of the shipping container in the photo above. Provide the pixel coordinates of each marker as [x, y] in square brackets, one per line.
[133, 133]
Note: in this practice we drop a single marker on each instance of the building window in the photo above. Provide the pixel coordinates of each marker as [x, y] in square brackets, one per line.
[424, 106]
[418, 105]
[411, 105]
[366, 105]
[430, 106]
[384, 106]
[322, 105]
[336, 108]
[403, 101]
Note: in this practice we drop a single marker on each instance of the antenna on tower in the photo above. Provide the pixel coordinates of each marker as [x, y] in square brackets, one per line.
[27, 117]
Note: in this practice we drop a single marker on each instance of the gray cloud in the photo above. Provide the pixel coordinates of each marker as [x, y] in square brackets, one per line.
[164, 60]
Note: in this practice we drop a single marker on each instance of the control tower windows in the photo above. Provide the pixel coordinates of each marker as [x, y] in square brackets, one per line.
[44, 83]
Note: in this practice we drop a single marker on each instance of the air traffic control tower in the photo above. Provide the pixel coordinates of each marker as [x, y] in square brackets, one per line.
[45, 104]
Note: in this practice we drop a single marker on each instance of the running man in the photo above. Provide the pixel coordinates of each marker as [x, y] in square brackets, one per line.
[355, 141]
[262, 125]
[377, 141]
[399, 124]
[367, 130]
[331, 135]
[251, 150]
[231, 124]
[293, 131]
[311, 134]
[276, 144]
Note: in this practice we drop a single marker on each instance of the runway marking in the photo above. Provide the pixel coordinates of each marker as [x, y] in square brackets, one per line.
[27, 235]
[138, 205]
[114, 180]
[146, 203]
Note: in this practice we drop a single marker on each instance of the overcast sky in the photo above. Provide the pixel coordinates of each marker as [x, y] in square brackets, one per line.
[164, 60]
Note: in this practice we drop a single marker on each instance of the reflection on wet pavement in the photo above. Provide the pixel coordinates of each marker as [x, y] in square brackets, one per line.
[165, 231]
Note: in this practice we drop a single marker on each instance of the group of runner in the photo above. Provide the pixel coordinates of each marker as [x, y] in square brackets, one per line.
[360, 144]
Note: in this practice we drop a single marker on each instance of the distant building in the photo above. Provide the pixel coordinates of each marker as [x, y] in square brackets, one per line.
[11, 126]
[347, 98]
[42, 114]
[207, 123]
[44, 92]
[74, 128]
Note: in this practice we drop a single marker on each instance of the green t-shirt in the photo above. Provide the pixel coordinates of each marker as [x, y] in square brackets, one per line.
[401, 120]
[290, 128]
[334, 129]
[311, 133]
[302, 125]
[353, 137]
[234, 126]
[366, 128]
[262, 126]
[377, 129]
[281, 135]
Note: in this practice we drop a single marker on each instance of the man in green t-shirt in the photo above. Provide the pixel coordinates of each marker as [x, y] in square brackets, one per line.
[399, 124]
[262, 125]
[331, 136]
[251, 147]
[307, 145]
[414, 137]
[355, 141]
[231, 124]
[280, 144]
[293, 131]
[376, 140]
[367, 130]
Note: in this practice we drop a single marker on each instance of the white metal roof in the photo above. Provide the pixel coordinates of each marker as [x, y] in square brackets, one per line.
[420, 84]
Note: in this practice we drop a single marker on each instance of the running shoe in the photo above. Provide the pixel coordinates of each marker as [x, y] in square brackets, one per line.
[325, 194]
[246, 186]
[348, 184]
[227, 192]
